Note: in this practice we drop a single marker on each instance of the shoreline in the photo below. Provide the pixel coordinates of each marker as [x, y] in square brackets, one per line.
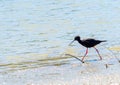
[89, 73]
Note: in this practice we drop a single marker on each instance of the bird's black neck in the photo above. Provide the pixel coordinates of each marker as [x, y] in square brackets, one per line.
[79, 41]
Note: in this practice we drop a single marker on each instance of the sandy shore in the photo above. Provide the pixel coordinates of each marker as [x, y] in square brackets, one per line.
[75, 73]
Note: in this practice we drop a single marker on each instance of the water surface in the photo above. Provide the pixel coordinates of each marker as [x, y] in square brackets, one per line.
[35, 33]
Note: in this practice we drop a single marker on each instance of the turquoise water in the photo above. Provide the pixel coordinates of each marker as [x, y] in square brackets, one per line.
[32, 30]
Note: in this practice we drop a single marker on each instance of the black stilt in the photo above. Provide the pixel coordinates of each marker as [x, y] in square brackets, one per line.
[88, 43]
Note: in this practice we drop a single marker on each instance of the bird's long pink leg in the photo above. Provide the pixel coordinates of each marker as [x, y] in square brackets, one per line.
[85, 54]
[98, 53]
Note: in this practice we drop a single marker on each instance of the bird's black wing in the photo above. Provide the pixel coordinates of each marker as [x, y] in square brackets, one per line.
[90, 42]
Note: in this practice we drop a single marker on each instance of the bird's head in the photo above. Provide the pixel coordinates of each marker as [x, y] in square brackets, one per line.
[77, 38]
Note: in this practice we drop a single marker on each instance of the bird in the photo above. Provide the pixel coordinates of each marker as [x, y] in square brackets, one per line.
[88, 43]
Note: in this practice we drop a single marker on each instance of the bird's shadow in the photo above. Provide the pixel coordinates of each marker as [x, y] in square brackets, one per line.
[92, 60]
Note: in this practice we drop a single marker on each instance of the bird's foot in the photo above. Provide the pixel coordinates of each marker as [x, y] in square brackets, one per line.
[100, 58]
[82, 61]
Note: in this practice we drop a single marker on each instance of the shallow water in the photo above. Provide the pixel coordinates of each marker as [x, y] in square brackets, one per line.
[34, 33]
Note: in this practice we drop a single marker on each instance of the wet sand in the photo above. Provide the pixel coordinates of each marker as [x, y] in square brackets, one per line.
[63, 70]
[72, 72]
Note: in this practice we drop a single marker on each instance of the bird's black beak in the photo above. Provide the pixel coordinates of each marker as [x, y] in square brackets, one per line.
[71, 42]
